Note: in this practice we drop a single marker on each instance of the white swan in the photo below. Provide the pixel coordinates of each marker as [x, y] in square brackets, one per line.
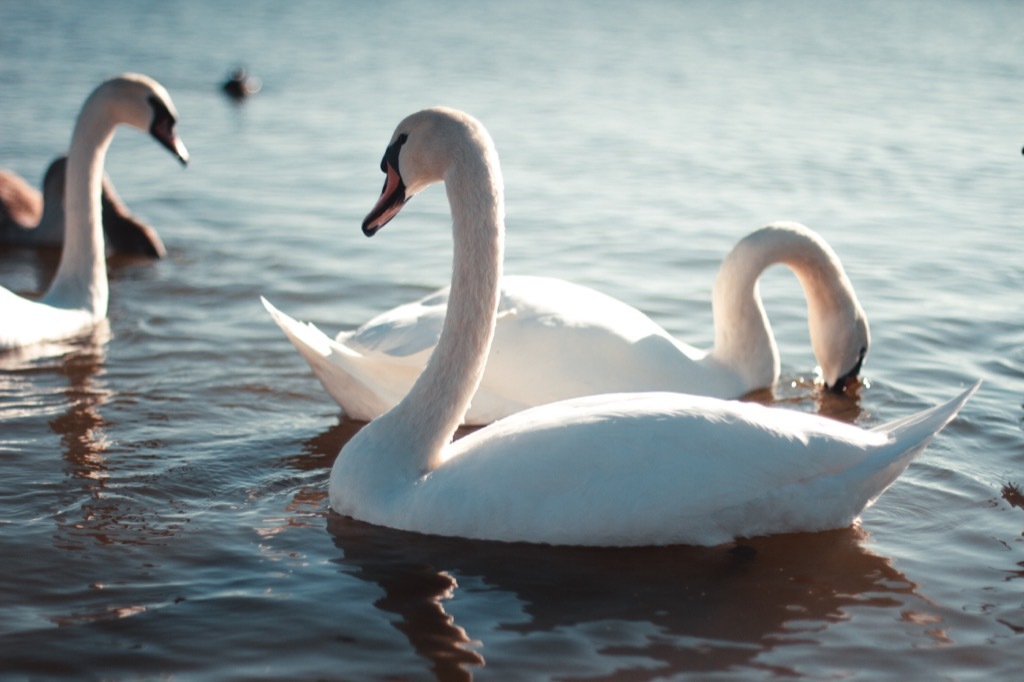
[76, 300]
[621, 469]
[31, 219]
[556, 340]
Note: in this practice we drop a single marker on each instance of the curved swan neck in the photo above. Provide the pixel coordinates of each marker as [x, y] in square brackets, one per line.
[426, 419]
[743, 334]
[81, 279]
[742, 331]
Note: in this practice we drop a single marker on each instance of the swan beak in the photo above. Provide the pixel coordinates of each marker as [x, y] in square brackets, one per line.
[392, 199]
[843, 383]
[850, 378]
[163, 131]
[177, 147]
[165, 135]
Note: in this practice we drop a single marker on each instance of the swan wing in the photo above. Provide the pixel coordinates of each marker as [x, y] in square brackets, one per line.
[553, 340]
[408, 331]
[527, 305]
[556, 340]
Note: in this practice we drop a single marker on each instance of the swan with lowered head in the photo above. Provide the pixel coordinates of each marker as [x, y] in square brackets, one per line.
[76, 300]
[605, 470]
[31, 219]
[556, 340]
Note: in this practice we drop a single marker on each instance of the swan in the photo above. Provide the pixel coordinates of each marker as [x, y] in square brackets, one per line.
[76, 300]
[556, 340]
[28, 218]
[619, 469]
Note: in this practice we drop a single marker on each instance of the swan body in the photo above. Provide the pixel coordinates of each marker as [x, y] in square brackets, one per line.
[604, 470]
[76, 300]
[556, 340]
[31, 219]
[641, 469]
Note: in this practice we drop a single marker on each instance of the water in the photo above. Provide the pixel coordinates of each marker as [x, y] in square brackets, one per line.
[163, 503]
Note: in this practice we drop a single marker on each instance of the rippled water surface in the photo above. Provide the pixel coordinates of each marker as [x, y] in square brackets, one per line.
[163, 485]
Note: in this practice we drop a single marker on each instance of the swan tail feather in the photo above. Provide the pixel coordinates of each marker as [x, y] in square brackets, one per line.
[922, 426]
[340, 369]
[907, 438]
[304, 335]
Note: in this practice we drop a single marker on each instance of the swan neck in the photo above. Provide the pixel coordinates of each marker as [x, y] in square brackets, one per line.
[435, 406]
[743, 335]
[742, 329]
[81, 279]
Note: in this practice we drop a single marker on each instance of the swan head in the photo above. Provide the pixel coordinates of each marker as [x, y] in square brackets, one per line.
[420, 153]
[841, 343]
[837, 323]
[139, 101]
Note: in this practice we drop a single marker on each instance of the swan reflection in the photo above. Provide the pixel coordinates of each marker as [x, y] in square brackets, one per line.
[63, 382]
[467, 604]
[62, 385]
[807, 394]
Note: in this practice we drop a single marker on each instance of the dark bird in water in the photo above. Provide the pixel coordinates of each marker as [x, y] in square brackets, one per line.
[240, 84]
[33, 219]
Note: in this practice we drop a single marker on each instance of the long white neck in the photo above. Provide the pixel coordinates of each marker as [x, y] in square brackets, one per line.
[743, 335]
[81, 279]
[423, 423]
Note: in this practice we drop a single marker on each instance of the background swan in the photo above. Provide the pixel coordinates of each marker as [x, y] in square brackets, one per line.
[77, 298]
[556, 340]
[621, 469]
[28, 218]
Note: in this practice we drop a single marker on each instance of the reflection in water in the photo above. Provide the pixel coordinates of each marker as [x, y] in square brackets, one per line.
[809, 395]
[91, 505]
[666, 609]
[307, 503]
[84, 444]
[81, 427]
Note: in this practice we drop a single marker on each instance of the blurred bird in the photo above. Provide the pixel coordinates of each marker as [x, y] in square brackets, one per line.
[33, 219]
[240, 84]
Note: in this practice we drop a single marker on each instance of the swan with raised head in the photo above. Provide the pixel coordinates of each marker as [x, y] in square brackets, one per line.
[605, 470]
[556, 340]
[31, 219]
[76, 300]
